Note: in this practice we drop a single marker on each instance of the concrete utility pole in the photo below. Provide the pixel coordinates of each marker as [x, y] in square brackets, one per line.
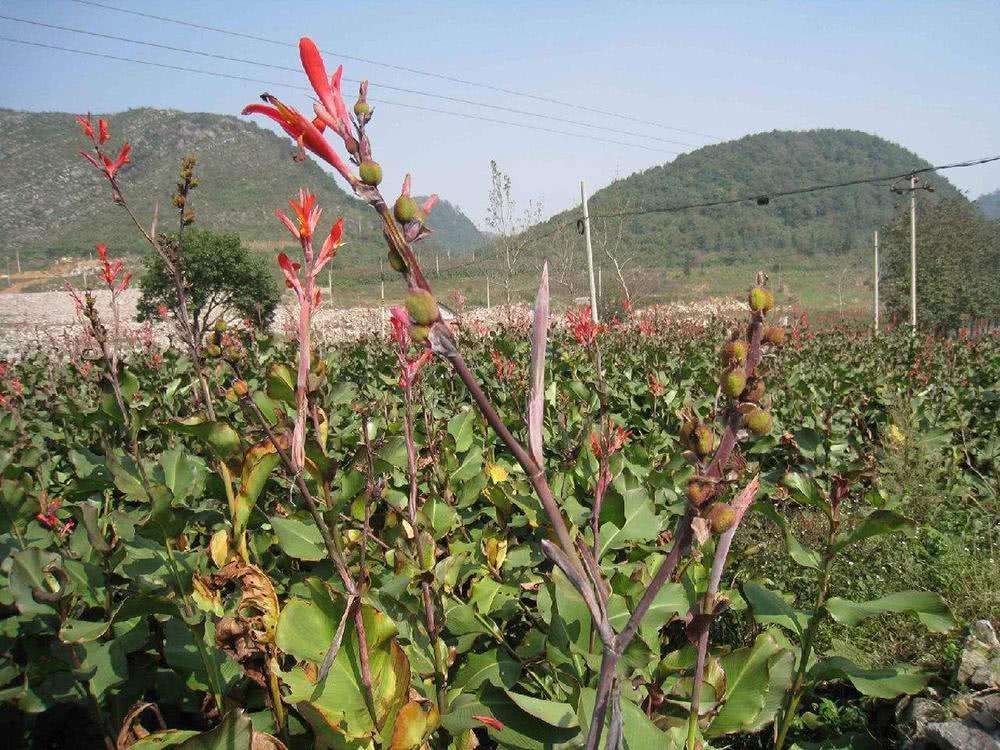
[876, 282]
[590, 252]
[912, 190]
[437, 264]
[913, 252]
[487, 292]
[381, 282]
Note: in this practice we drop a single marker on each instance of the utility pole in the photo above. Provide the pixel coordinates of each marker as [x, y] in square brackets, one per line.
[487, 291]
[590, 252]
[381, 282]
[876, 282]
[912, 190]
[600, 283]
[437, 264]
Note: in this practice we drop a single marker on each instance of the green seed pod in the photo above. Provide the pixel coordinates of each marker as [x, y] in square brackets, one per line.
[734, 352]
[733, 383]
[761, 300]
[419, 334]
[405, 209]
[396, 261]
[758, 422]
[775, 336]
[422, 307]
[721, 517]
[704, 437]
[220, 325]
[687, 430]
[362, 109]
[371, 173]
[213, 350]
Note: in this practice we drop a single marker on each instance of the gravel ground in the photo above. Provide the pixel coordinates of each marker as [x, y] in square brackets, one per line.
[48, 319]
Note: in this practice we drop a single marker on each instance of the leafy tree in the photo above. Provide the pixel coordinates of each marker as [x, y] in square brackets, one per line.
[224, 279]
[958, 265]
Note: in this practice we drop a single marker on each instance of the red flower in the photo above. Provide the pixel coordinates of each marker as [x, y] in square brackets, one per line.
[303, 130]
[399, 319]
[330, 245]
[291, 271]
[490, 722]
[106, 164]
[615, 438]
[111, 269]
[327, 89]
[86, 126]
[655, 386]
[582, 326]
[307, 213]
[411, 368]
[503, 366]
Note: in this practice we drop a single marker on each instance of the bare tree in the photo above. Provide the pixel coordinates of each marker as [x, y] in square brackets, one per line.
[509, 226]
[608, 236]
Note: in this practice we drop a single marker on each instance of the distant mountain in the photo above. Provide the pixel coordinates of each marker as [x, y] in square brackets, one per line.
[989, 204]
[52, 203]
[828, 221]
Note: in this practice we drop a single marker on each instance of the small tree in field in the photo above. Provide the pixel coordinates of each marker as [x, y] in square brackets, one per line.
[224, 280]
[508, 225]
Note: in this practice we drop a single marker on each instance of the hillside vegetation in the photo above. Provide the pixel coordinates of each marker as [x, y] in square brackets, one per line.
[52, 204]
[989, 204]
[831, 221]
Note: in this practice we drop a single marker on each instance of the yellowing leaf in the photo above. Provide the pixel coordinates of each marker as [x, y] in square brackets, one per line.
[496, 473]
[218, 547]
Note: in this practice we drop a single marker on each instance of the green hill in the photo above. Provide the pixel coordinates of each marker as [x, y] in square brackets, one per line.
[989, 204]
[53, 204]
[831, 221]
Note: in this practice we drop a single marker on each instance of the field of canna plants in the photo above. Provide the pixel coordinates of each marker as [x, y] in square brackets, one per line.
[547, 533]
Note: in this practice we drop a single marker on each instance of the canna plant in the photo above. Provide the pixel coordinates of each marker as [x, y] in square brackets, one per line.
[815, 662]
[716, 465]
[275, 546]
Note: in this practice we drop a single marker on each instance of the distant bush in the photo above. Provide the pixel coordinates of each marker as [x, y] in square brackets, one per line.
[223, 279]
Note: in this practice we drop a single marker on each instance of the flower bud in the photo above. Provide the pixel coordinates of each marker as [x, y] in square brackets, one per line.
[371, 173]
[422, 307]
[733, 383]
[362, 109]
[419, 334]
[721, 517]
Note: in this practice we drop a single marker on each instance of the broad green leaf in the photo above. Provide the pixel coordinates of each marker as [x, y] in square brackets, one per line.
[219, 436]
[879, 522]
[748, 684]
[639, 732]
[886, 682]
[627, 518]
[235, 732]
[439, 515]
[806, 490]
[166, 738]
[769, 607]
[800, 553]
[183, 475]
[461, 428]
[336, 707]
[929, 608]
[27, 572]
[553, 713]
[299, 539]
[495, 667]
[258, 463]
[281, 383]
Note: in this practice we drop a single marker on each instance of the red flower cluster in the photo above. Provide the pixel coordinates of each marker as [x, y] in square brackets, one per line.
[615, 438]
[307, 215]
[110, 270]
[102, 161]
[47, 517]
[655, 386]
[582, 326]
[503, 366]
[409, 369]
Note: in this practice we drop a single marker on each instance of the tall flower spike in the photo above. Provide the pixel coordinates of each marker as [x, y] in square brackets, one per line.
[102, 131]
[86, 126]
[327, 89]
[330, 245]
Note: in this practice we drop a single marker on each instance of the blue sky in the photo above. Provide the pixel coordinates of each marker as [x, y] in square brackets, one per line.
[923, 74]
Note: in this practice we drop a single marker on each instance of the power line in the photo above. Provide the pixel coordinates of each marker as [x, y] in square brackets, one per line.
[389, 87]
[281, 84]
[404, 68]
[764, 198]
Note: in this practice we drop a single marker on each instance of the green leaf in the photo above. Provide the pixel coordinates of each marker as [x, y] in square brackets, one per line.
[800, 553]
[27, 572]
[394, 452]
[749, 681]
[235, 732]
[299, 539]
[806, 490]
[886, 682]
[439, 515]
[494, 667]
[627, 518]
[183, 475]
[258, 463]
[769, 607]
[336, 707]
[639, 733]
[553, 713]
[461, 428]
[219, 436]
[879, 522]
[929, 608]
